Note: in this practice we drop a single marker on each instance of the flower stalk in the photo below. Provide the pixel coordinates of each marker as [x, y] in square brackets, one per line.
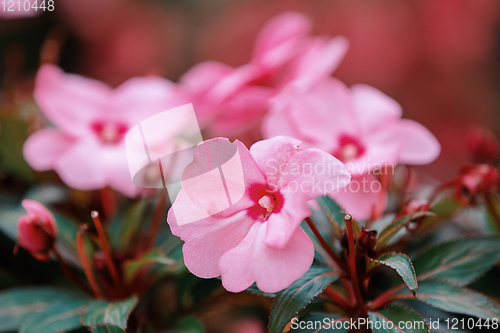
[87, 267]
[324, 244]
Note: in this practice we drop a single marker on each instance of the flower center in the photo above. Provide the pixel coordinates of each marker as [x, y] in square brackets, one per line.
[349, 148]
[110, 132]
[268, 202]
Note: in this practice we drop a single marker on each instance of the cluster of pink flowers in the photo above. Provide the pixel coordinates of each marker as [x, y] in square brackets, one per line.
[286, 89]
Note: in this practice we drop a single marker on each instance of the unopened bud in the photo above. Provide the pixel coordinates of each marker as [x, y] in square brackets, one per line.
[37, 231]
[367, 240]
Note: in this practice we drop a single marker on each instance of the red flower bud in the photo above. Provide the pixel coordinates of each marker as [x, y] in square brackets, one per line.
[476, 179]
[37, 230]
[368, 239]
[482, 144]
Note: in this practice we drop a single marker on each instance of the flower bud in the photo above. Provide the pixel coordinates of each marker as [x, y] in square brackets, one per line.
[476, 179]
[482, 144]
[37, 230]
[368, 239]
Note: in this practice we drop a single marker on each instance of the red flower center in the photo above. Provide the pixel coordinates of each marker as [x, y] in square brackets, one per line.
[349, 148]
[110, 132]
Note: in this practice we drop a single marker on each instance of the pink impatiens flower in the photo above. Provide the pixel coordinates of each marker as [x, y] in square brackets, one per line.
[86, 148]
[232, 101]
[257, 238]
[37, 231]
[359, 125]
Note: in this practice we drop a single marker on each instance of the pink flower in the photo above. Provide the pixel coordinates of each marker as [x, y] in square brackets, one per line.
[86, 148]
[258, 238]
[360, 126]
[37, 231]
[232, 101]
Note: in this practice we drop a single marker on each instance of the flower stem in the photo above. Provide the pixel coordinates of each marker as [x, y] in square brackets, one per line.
[386, 297]
[352, 265]
[108, 200]
[339, 299]
[324, 244]
[105, 248]
[156, 220]
[87, 268]
[69, 272]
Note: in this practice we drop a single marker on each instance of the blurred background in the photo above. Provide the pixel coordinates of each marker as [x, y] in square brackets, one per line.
[438, 58]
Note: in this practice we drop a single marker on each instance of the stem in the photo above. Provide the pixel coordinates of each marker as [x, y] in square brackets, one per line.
[386, 297]
[69, 272]
[490, 205]
[156, 220]
[378, 209]
[352, 264]
[105, 247]
[108, 200]
[339, 299]
[87, 268]
[324, 244]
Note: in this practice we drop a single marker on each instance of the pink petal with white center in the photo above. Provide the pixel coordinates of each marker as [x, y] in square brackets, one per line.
[272, 269]
[373, 107]
[220, 175]
[208, 238]
[359, 198]
[42, 149]
[70, 101]
[311, 172]
[81, 166]
[419, 145]
[279, 40]
[282, 224]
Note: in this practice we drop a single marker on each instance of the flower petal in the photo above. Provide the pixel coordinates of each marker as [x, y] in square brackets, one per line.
[208, 238]
[373, 107]
[70, 101]
[272, 269]
[311, 172]
[279, 40]
[81, 166]
[220, 175]
[359, 198]
[420, 146]
[42, 149]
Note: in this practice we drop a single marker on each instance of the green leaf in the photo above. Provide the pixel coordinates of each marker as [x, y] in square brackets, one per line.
[17, 305]
[296, 297]
[394, 227]
[401, 263]
[109, 313]
[8, 219]
[13, 133]
[456, 299]
[397, 319]
[333, 212]
[319, 322]
[124, 227]
[188, 324]
[155, 257]
[254, 290]
[107, 329]
[459, 261]
[59, 317]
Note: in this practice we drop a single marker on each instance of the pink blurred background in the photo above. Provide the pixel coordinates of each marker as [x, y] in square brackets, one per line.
[438, 58]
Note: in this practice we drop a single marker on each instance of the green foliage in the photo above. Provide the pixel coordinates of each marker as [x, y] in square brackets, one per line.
[401, 263]
[19, 305]
[188, 324]
[455, 299]
[101, 313]
[296, 297]
[459, 261]
[397, 319]
[388, 232]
